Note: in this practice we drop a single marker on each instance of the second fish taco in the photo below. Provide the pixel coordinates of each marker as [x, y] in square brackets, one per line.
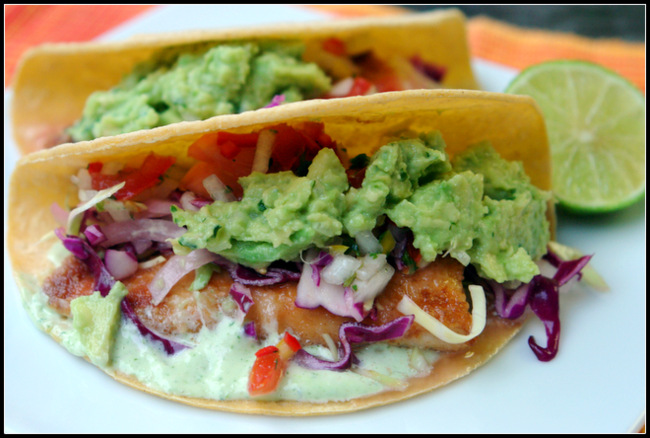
[317, 258]
[74, 92]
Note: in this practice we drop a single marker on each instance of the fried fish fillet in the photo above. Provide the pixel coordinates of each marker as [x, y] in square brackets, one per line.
[436, 288]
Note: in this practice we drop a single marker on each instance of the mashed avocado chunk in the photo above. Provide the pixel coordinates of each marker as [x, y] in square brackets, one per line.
[225, 79]
[478, 209]
[279, 215]
[394, 174]
[514, 231]
[443, 215]
[96, 319]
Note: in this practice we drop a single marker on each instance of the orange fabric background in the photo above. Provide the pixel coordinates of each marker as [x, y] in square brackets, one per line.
[30, 25]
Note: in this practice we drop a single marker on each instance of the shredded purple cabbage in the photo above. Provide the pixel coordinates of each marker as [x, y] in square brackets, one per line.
[542, 295]
[242, 296]
[249, 330]
[323, 259]
[401, 237]
[566, 270]
[94, 234]
[276, 100]
[545, 303]
[432, 71]
[276, 274]
[170, 346]
[354, 333]
[104, 282]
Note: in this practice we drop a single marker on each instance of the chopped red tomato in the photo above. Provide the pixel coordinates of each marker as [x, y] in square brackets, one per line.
[414, 253]
[267, 350]
[95, 167]
[217, 146]
[270, 364]
[334, 46]
[387, 81]
[293, 147]
[360, 87]
[382, 76]
[193, 179]
[355, 177]
[136, 180]
[227, 155]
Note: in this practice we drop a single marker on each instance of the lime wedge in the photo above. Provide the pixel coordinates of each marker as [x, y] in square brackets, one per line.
[595, 121]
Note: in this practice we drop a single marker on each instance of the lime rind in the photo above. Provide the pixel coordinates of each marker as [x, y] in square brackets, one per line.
[596, 128]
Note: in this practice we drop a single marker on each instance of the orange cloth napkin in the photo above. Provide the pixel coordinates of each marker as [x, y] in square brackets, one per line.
[30, 25]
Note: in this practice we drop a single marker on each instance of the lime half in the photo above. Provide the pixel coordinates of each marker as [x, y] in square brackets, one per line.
[596, 129]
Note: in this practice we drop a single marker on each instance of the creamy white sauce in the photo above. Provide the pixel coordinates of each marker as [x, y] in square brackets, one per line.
[217, 366]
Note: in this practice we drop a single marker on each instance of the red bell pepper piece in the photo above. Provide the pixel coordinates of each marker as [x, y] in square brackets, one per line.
[270, 365]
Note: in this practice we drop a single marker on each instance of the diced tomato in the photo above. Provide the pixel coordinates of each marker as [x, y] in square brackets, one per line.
[193, 179]
[227, 155]
[360, 87]
[215, 147]
[270, 364]
[229, 149]
[95, 167]
[136, 180]
[266, 374]
[387, 82]
[355, 177]
[414, 253]
[267, 350]
[293, 147]
[291, 342]
[334, 46]
[204, 148]
[242, 140]
[382, 76]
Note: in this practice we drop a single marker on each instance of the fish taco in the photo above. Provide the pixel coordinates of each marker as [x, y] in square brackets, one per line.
[316, 258]
[81, 91]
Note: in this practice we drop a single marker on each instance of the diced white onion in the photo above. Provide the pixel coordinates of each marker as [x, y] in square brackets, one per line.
[340, 269]
[186, 201]
[441, 331]
[331, 296]
[120, 264]
[176, 268]
[342, 87]
[263, 151]
[117, 210]
[217, 189]
[82, 180]
[371, 265]
[74, 218]
[367, 290]
[368, 243]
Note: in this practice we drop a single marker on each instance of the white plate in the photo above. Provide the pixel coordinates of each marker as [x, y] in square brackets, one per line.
[596, 384]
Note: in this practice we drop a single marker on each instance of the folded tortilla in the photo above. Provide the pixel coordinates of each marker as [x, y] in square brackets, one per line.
[53, 81]
[513, 124]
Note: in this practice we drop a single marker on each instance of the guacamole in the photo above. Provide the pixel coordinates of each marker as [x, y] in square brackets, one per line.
[476, 208]
[279, 215]
[225, 79]
[96, 320]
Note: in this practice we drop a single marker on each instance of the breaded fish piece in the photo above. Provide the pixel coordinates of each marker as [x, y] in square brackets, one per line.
[436, 288]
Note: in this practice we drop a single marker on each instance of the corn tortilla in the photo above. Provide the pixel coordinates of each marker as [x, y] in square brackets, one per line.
[53, 81]
[513, 124]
